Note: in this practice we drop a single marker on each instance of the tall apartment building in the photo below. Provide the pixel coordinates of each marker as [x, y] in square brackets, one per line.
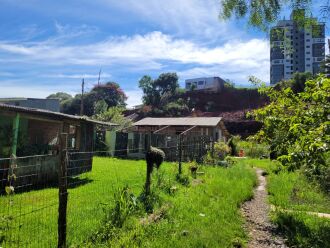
[295, 48]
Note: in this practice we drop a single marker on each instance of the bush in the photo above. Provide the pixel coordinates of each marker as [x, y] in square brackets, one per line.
[221, 150]
[232, 143]
[253, 150]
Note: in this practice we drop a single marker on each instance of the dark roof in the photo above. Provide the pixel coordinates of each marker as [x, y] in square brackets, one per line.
[180, 121]
[51, 114]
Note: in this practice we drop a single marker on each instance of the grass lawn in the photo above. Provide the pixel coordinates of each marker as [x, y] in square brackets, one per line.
[202, 215]
[292, 191]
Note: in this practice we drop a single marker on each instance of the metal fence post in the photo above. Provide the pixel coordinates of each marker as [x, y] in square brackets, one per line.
[63, 191]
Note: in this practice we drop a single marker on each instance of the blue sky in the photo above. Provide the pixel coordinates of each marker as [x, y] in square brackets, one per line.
[47, 46]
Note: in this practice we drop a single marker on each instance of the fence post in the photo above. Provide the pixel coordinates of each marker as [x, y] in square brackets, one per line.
[180, 154]
[63, 191]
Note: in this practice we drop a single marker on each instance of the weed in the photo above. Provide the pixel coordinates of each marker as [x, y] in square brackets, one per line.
[183, 179]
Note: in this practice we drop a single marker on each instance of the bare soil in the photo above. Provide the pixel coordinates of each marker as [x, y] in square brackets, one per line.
[261, 231]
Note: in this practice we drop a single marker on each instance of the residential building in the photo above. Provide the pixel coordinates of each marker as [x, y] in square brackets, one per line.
[214, 84]
[37, 103]
[296, 48]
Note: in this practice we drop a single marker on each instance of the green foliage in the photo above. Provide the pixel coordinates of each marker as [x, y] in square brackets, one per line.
[303, 230]
[232, 143]
[112, 114]
[218, 198]
[297, 83]
[221, 150]
[109, 93]
[293, 197]
[253, 149]
[62, 96]
[162, 95]
[182, 179]
[297, 127]
[261, 14]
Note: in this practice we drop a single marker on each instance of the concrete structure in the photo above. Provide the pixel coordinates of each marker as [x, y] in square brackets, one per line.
[295, 48]
[32, 135]
[38, 103]
[214, 84]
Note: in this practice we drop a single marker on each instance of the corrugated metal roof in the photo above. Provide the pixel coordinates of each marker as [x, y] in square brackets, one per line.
[179, 121]
[51, 114]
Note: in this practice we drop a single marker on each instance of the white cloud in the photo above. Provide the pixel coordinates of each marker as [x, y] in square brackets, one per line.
[19, 88]
[78, 76]
[134, 97]
[150, 48]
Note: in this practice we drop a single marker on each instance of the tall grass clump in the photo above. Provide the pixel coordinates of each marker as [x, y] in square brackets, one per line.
[303, 230]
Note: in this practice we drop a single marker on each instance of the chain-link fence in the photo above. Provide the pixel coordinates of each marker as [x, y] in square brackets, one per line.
[60, 200]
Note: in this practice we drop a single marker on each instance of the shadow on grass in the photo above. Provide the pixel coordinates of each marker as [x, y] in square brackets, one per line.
[303, 230]
[74, 182]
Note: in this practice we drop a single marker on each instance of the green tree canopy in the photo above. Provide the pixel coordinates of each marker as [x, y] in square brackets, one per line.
[101, 96]
[261, 14]
[165, 86]
[297, 127]
[62, 96]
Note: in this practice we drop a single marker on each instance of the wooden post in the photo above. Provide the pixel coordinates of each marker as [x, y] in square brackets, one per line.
[15, 134]
[180, 154]
[63, 191]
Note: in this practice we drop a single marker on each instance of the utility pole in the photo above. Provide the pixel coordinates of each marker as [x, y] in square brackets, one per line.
[98, 81]
[82, 97]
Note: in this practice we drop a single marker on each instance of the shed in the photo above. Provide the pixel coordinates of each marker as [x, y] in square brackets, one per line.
[164, 133]
[32, 135]
[209, 126]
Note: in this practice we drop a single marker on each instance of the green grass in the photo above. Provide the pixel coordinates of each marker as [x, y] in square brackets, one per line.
[293, 192]
[208, 213]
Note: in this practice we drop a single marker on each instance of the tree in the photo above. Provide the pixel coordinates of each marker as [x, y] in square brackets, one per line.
[114, 115]
[261, 14]
[62, 96]
[297, 127]
[297, 83]
[325, 65]
[151, 95]
[110, 92]
[159, 93]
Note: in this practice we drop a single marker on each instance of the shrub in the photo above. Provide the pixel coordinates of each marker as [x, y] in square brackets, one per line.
[232, 143]
[221, 149]
[253, 149]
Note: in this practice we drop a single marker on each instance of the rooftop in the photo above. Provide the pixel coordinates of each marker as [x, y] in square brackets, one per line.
[179, 121]
[51, 114]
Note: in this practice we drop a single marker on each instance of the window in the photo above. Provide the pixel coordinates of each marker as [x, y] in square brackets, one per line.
[308, 46]
[200, 82]
[308, 65]
[308, 59]
[308, 40]
[308, 52]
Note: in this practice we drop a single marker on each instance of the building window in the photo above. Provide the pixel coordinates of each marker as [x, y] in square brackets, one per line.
[307, 46]
[308, 40]
[308, 65]
[200, 82]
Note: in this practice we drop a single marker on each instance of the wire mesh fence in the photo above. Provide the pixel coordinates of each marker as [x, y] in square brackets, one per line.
[41, 195]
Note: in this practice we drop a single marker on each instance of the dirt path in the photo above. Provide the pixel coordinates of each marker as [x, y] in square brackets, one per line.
[261, 231]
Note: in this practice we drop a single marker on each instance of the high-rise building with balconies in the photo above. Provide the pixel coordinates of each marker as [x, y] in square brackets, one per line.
[296, 47]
